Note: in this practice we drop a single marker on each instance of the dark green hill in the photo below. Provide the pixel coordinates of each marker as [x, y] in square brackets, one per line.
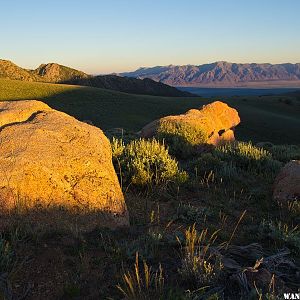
[131, 85]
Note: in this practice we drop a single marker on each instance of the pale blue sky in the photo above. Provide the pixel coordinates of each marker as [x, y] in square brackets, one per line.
[122, 35]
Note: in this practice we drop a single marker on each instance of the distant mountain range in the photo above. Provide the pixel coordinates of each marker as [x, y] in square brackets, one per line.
[55, 73]
[223, 74]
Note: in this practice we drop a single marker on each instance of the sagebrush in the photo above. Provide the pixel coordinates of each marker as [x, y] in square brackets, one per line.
[145, 163]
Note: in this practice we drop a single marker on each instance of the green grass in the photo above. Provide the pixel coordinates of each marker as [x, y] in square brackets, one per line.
[105, 108]
[267, 118]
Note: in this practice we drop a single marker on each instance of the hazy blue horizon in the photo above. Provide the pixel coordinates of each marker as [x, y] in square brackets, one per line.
[101, 37]
[237, 91]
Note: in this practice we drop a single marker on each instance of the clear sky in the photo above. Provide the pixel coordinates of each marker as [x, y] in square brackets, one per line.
[103, 36]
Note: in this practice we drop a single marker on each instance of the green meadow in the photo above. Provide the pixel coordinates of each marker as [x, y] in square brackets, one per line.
[263, 118]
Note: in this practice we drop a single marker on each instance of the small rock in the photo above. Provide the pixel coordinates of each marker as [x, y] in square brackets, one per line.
[287, 183]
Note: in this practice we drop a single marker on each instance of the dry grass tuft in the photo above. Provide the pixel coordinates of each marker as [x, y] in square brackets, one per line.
[200, 264]
[142, 283]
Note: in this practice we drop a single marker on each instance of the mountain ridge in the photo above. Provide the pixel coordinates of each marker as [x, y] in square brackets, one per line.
[221, 73]
[130, 85]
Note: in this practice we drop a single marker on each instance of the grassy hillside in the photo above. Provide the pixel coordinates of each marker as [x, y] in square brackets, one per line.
[51, 72]
[11, 71]
[55, 73]
[268, 118]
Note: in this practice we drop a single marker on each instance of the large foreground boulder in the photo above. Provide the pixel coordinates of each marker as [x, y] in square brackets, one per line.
[287, 183]
[49, 159]
[215, 122]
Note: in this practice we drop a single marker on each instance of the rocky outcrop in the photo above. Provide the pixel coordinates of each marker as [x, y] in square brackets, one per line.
[287, 183]
[216, 121]
[9, 70]
[49, 159]
[53, 72]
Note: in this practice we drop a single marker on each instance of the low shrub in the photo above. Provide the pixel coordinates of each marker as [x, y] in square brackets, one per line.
[181, 138]
[242, 152]
[145, 163]
[117, 147]
[235, 162]
[205, 163]
[229, 171]
[248, 157]
[282, 234]
[6, 255]
[284, 153]
[190, 214]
